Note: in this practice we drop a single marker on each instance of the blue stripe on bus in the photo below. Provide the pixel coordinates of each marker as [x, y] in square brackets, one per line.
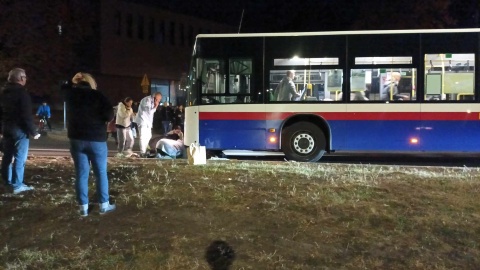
[463, 136]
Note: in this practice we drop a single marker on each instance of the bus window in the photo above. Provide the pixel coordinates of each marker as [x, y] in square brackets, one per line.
[449, 76]
[212, 78]
[310, 84]
[240, 72]
[383, 84]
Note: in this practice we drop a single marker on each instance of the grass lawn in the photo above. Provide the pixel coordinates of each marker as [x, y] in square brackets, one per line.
[275, 215]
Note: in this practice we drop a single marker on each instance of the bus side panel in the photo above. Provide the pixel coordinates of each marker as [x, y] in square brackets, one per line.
[233, 126]
[373, 135]
[191, 125]
[454, 136]
[232, 134]
[451, 127]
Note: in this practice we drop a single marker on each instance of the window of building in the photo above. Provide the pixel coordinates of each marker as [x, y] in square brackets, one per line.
[182, 34]
[140, 27]
[151, 30]
[161, 33]
[172, 33]
[449, 76]
[191, 36]
[129, 22]
[118, 23]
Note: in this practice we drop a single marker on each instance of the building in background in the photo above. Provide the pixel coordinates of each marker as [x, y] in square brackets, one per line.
[138, 39]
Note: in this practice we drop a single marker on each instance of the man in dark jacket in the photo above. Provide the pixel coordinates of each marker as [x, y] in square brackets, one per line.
[17, 126]
[166, 113]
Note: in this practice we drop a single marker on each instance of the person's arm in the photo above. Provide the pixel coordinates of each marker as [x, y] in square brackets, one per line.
[145, 104]
[106, 112]
[48, 111]
[123, 111]
[26, 114]
[291, 89]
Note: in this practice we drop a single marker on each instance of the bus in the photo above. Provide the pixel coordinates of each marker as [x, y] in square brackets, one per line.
[382, 91]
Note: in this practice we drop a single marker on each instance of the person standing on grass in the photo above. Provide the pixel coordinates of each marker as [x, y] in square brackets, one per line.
[124, 127]
[144, 119]
[89, 112]
[17, 126]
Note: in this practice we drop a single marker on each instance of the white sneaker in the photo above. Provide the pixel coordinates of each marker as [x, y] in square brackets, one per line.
[83, 210]
[106, 207]
[22, 189]
[119, 155]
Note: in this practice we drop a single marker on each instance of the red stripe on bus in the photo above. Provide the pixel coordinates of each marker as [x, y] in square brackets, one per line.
[372, 116]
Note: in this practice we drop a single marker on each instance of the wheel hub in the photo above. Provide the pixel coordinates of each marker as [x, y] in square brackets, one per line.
[303, 143]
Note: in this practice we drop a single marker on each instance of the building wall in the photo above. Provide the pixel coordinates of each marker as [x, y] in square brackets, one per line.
[132, 44]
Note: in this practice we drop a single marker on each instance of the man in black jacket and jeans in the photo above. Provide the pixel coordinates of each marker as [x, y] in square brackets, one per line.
[17, 126]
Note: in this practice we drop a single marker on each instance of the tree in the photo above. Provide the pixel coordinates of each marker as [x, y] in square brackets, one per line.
[43, 38]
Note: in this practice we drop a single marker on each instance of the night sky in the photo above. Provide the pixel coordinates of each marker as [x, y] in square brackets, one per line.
[320, 15]
[262, 15]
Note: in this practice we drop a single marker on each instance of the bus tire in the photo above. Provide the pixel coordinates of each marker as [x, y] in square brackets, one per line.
[304, 142]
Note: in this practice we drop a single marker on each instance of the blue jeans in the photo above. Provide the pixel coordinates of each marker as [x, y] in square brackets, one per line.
[14, 158]
[84, 152]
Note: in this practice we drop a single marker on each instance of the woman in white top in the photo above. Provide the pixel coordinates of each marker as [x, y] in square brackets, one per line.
[123, 123]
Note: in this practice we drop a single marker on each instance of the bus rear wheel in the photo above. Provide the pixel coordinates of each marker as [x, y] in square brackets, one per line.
[304, 142]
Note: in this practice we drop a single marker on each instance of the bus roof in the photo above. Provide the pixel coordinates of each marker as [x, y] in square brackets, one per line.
[333, 33]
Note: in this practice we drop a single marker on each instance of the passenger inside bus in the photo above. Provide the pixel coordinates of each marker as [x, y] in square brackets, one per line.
[390, 87]
[285, 90]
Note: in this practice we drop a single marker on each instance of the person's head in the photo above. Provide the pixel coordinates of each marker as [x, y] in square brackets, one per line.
[44, 103]
[291, 74]
[157, 97]
[17, 75]
[128, 101]
[396, 76]
[180, 107]
[84, 78]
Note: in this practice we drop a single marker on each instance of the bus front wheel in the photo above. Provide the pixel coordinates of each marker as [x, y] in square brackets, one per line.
[304, 142]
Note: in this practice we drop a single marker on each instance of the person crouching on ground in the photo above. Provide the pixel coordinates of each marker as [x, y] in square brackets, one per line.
[124, 130]
[172, 146]
[89, 111]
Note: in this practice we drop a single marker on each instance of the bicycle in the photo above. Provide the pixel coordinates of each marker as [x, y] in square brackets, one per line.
[42, 124]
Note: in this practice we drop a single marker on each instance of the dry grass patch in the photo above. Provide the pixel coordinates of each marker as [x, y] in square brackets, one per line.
[276, 215]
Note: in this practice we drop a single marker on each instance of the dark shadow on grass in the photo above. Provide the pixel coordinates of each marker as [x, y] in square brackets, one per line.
[219, 255]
